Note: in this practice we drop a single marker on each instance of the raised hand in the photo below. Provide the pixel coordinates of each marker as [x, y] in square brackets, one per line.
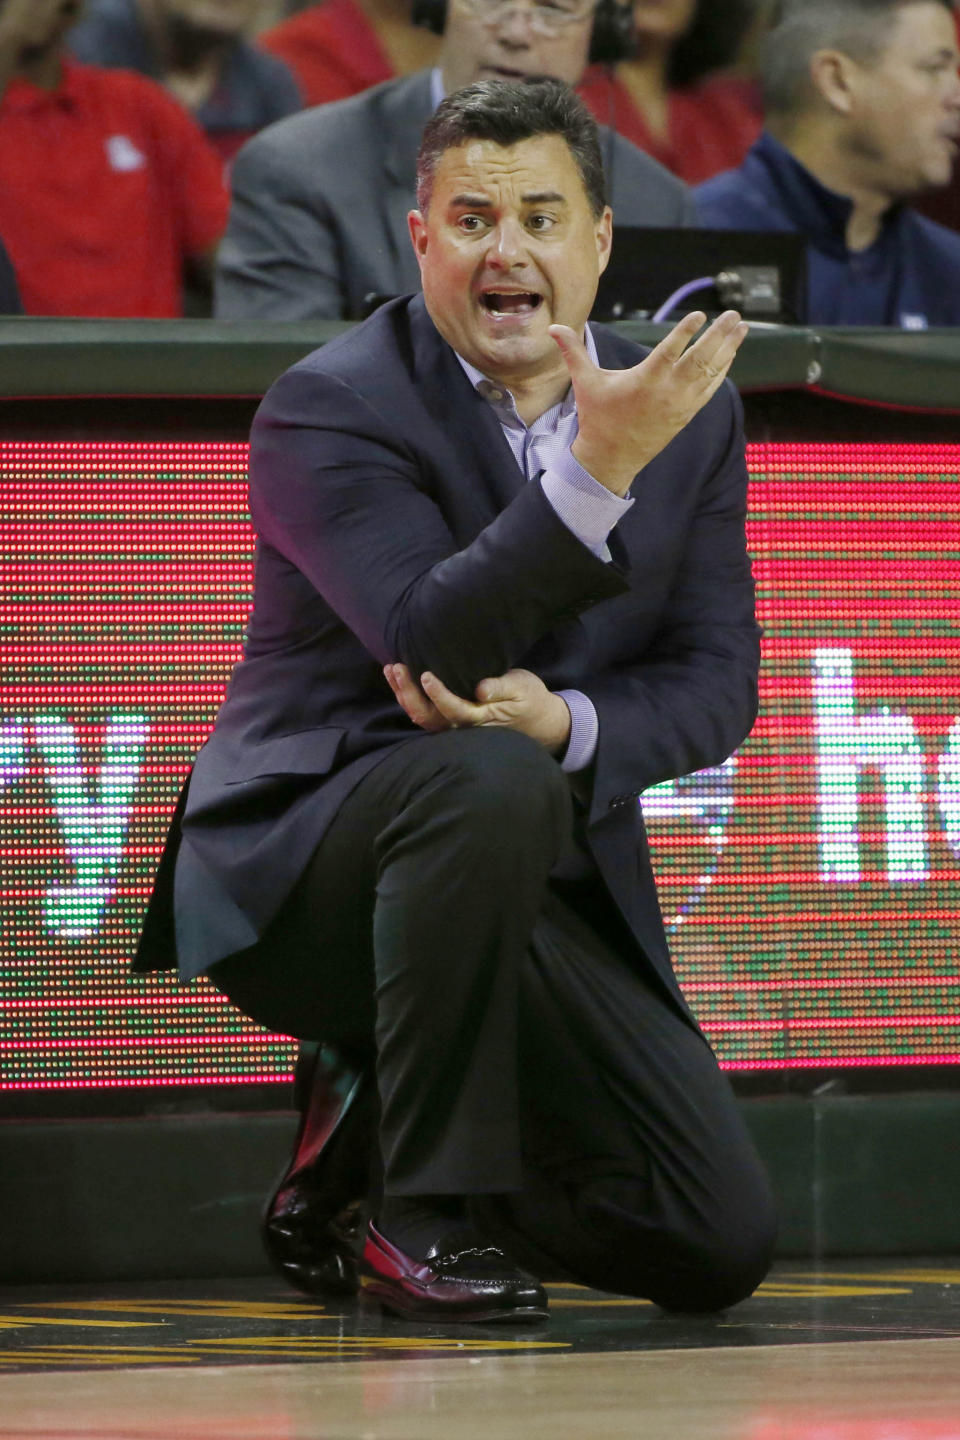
[518, 700]
[627, 417]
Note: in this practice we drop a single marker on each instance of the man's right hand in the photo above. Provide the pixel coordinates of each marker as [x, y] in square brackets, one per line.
[626, 417]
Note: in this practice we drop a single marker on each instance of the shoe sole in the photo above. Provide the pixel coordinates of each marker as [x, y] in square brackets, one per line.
[437, 1315]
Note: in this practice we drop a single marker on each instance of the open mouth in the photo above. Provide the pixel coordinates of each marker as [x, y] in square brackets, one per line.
[513, 302]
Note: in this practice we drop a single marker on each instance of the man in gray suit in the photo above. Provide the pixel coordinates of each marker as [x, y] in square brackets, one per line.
[318, 221]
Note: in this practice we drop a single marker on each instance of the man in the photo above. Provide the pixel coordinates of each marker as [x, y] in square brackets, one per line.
[490, 609]
[863, 107]
[198, 50]
[318, 225]
[108, 190]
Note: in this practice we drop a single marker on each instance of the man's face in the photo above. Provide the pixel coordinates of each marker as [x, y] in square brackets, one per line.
[484, 40]
[216, 17]
[508, 247]
[905, 115]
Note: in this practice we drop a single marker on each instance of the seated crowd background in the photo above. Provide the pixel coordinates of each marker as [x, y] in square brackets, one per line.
[126, 124]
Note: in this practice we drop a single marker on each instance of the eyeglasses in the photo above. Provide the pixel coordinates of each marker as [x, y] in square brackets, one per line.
[546, 17]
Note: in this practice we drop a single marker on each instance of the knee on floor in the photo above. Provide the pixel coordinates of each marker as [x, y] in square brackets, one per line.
[698, 1265]
[717, 1278]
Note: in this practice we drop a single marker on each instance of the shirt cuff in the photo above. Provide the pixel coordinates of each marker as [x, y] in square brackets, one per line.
[586, 507]
[584, 731]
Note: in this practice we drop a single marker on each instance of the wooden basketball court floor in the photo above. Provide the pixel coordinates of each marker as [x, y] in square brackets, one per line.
[849, 1350]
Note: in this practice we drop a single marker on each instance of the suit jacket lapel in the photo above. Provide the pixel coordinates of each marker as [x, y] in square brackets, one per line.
[484, 459]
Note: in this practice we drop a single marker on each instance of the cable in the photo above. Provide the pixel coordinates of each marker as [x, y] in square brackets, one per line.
[672, 301]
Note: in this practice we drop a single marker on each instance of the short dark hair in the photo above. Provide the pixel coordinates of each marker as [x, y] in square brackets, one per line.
[506, 112]
[799, 28]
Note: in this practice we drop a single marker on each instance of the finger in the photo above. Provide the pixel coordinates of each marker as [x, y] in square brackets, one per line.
[452, 707]
[410, 695]
[388, 675]
[674, 345]
[512, 685]
[712, 354]
[493, 689]
[726, 352]
[412, 699]
[573, 350]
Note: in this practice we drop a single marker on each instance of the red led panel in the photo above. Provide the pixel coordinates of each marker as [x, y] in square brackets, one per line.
[808, 884]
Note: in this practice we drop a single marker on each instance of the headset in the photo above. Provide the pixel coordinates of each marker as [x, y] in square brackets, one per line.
[611, 38]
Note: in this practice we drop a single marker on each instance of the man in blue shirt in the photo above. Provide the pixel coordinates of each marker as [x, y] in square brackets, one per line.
[863, 112]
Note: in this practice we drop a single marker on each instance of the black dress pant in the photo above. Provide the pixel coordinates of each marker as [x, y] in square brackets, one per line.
[527, 1055]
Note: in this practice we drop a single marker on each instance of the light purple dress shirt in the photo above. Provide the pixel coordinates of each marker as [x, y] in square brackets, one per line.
[587, 508]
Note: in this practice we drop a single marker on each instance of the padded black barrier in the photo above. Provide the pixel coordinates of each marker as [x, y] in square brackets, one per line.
[180, 1195]
[892, 367]
[140, 358]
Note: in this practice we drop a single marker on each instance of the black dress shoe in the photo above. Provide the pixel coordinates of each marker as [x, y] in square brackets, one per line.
[460, 1279]
[314, 1222]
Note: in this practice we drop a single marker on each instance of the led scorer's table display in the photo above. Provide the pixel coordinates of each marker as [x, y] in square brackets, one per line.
[808, 884]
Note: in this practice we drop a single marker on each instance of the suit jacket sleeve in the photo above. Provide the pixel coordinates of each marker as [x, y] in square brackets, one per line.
[338, 494]
[691, 698]
[278, 259]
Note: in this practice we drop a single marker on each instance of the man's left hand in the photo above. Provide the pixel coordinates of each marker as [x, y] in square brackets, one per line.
[518, 700]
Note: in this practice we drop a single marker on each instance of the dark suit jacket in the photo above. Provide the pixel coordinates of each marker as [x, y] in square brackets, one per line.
[394, 524]
[318, 214]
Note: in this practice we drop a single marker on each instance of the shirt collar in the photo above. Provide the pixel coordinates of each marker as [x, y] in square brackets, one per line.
[820, 213]
[501, 399]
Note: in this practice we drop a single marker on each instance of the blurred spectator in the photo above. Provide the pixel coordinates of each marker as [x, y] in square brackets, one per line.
[341, 47]
[669, 99]
[318, 220]
[273, 11]
[198, 50]
[863, 112]
[944, 205]
[108, 189]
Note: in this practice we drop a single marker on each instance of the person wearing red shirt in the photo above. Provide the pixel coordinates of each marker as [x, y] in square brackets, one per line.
[675, 98]
[108, 189]
[341, 47]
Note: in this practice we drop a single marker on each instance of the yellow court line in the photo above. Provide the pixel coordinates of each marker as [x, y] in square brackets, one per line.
[205, 1309]
[93, 1362]
[769, 1290]
[14, 1322]
[379, 1342]
[96, 1352]
[893, 1277]
[203, 1351]
[773, 1290]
